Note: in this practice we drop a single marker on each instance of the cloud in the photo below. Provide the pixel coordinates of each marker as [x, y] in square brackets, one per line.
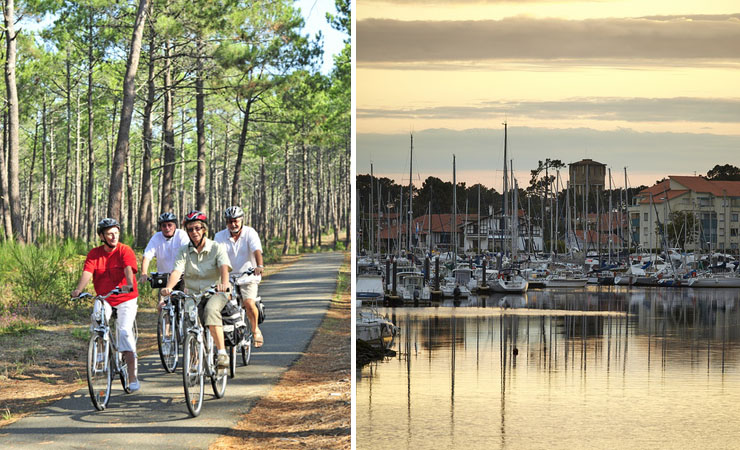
[482, 149]
[524, 38]
[679, 109]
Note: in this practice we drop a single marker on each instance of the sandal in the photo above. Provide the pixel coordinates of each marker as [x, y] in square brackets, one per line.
[258, 340]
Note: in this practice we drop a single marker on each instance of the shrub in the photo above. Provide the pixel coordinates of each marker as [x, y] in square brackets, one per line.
[15, 325]
[43, 276]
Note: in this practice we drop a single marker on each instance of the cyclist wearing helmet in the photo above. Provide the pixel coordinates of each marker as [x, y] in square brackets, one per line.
[164, 245]
[204, 262]
[112, 265]
[243, 246]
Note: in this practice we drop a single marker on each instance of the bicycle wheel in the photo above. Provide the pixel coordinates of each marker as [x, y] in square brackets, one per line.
[247, 349]
[123, 373]
[192, 374]
[246, 346]
[98, 372]
[166, 340]
[232, 361]
[218, 379]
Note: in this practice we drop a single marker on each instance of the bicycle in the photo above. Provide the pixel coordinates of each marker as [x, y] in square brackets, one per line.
[104, 360]
[169, 324]
[199, 355]
[244, 346]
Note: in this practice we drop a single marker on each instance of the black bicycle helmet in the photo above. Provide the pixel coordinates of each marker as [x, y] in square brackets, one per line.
[233, 212]
[166, 217]
[195, 216]
[108, 223]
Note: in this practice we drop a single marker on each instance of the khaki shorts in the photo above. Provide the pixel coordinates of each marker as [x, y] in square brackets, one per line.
[249, 290]
[212, 311]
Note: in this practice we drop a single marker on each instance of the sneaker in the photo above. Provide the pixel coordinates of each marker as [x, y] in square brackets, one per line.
[134, 386]
[223, 361]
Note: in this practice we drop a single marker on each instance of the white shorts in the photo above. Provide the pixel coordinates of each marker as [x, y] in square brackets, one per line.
[126, 316]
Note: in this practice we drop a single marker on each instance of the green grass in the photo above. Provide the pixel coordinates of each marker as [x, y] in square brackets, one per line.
[82, 334]
[15, 325]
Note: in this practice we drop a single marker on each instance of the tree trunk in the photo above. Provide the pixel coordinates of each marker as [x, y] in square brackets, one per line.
[78, 176]
[127, 109]
[286, 187]
[200, 177]
[145, 218]
[240, 154]
[7, 222]
[13, 123]
[319, 204]
[304, 198]
[90, 221]
[45, 175]
[29, 189]
[168, 135]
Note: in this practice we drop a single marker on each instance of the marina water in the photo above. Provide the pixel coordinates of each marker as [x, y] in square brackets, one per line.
[598, 367]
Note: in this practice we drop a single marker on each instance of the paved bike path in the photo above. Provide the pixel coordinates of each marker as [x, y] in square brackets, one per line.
[157, 417]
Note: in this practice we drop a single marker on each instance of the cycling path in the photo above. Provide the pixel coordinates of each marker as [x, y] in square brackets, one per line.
[156, 417]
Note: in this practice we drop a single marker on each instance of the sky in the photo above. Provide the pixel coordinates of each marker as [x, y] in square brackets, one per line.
[314, 14]
[650, 86]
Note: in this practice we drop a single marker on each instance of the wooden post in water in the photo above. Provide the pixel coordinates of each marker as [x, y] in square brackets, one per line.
[387, 271]
[395, 281]
[436, 274]
[426, 270]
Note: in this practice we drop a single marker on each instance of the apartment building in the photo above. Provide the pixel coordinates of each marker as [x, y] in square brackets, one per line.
[715, 205]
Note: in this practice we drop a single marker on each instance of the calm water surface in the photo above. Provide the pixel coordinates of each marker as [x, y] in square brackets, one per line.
[589, 368]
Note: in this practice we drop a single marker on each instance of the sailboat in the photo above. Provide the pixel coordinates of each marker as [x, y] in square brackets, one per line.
[509, 280]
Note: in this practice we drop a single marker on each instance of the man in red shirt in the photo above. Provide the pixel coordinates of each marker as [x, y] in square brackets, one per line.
[111, 265]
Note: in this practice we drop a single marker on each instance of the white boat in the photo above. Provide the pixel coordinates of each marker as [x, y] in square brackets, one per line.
[714, 281]
[370, 288]
[451, 288]
[375, 329]
[411, 286]
[566, 279]
[509, 281]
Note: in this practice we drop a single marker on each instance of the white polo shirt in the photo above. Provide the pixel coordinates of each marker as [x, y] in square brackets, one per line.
[240, 251]
[165, 250]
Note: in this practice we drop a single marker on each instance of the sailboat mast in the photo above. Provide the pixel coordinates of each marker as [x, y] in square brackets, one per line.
[506, 186]
[372, 222]
[454, 212]
[411, 192]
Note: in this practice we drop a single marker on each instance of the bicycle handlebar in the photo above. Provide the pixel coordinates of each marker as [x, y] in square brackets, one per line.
[115, 291]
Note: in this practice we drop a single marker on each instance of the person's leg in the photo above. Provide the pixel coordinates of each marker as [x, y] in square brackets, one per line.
[126, 339]
[250, 306]
[213, 319]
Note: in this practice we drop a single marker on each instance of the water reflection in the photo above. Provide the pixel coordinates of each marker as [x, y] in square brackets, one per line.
[576, 369]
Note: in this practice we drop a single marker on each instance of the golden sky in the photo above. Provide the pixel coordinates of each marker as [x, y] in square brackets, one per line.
[607, 79]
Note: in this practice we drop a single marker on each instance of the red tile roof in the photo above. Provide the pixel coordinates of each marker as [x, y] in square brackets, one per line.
[662, 190]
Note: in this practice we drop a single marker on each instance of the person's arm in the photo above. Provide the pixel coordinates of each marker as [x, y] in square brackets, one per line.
[171, 282]
[128, 271]
[84, 280]
[260, 264]
[224, 285]
[144, 269]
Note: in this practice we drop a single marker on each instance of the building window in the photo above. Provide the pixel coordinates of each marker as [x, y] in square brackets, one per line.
[733, 246]
[721, 231]
[645, 216]
[733, 231]
[722, 217]
[734, 217]
[704, 201]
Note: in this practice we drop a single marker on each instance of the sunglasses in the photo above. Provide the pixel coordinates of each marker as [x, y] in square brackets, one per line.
[195, 228]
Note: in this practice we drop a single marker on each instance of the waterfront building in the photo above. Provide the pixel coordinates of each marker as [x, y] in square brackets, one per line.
[714, 204]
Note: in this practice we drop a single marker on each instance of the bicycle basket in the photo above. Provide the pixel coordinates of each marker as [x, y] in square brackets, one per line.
[234, 326]
[158, 280]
